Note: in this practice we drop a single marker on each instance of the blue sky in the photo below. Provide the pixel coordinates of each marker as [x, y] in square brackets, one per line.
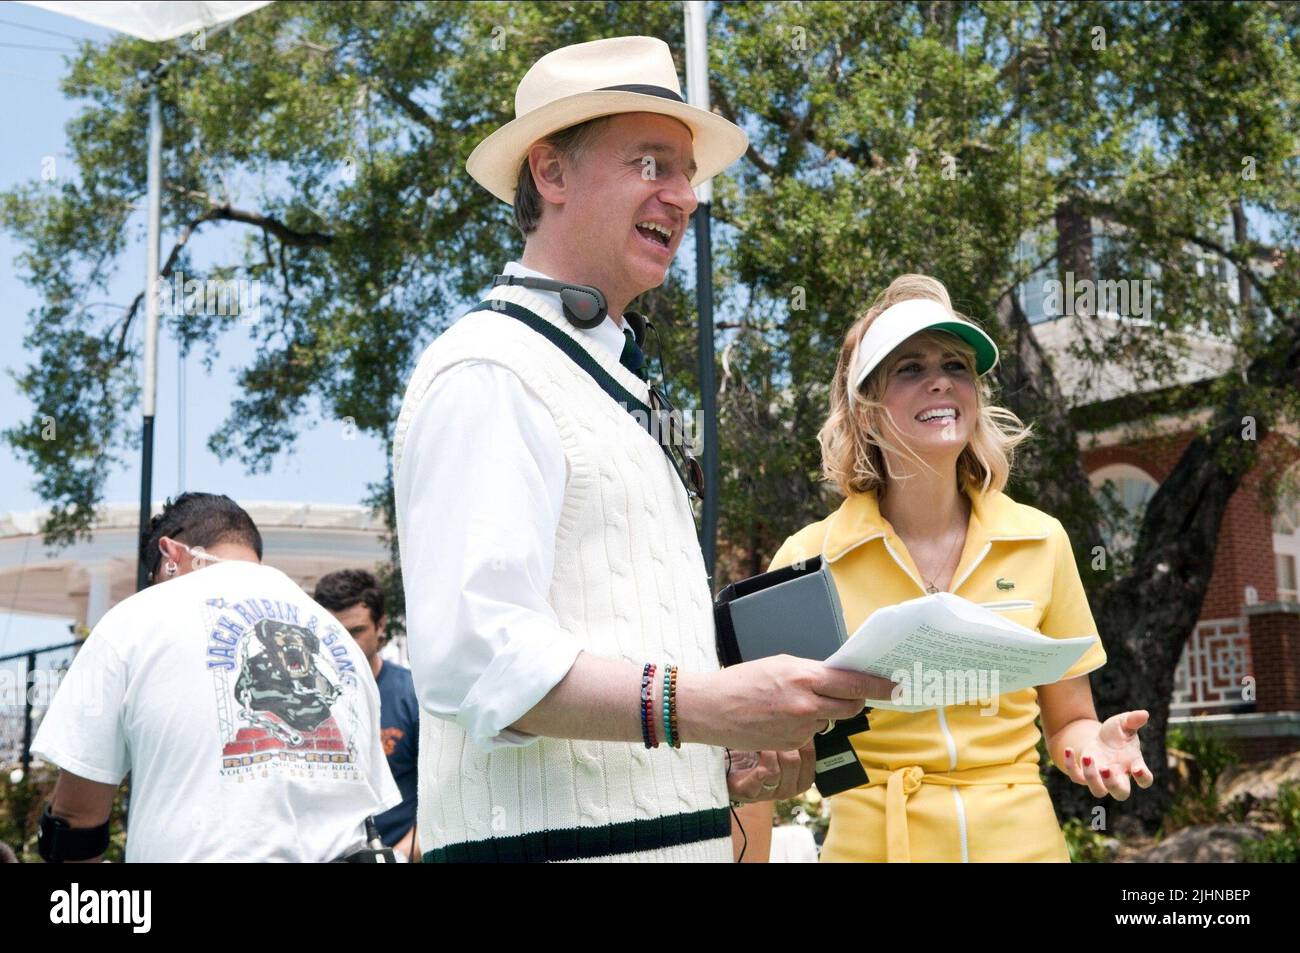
[322, 468]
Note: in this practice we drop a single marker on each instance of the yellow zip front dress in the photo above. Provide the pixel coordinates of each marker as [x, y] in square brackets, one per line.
[955, 783]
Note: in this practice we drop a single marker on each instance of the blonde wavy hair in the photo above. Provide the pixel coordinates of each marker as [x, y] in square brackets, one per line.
[856, 435]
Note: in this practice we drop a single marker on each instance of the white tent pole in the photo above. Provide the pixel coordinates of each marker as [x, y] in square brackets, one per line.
[151, 303]
[697, 90]
[697, 71]
[154, 250]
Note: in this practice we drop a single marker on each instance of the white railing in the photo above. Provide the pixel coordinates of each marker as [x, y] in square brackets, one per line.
[1214, 661]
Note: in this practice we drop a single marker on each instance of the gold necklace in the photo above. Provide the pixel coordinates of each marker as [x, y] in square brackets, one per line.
[931, 588]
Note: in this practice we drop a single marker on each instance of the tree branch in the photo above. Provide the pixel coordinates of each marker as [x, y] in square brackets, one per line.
[1243, 262]
[413, 110]
[126, 324]
[1021, 279]
[724, 106]
[284, 233]
[284, 274]
[1029, 386]
[164, 272]
[225, 212]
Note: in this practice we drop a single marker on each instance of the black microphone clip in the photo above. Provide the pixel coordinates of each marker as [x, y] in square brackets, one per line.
[638, 323]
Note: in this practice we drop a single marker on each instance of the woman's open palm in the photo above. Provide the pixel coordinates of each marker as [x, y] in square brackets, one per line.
[1111, 757]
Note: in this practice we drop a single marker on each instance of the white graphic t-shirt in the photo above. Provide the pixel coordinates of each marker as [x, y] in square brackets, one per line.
[246, 714]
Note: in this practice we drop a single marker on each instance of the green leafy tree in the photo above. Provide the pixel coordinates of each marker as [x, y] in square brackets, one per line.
[978, 143]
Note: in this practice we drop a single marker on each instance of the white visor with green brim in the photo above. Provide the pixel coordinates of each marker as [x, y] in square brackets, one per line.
[899, 322]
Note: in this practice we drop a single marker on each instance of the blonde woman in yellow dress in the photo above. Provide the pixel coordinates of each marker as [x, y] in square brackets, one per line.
[921, 457]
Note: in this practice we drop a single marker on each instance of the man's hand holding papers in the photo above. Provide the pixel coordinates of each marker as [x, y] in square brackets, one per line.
[944, 650]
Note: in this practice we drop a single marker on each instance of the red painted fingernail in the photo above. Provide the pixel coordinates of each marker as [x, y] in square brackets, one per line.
[1105, 772]
[1068, 754]
[1087, 762]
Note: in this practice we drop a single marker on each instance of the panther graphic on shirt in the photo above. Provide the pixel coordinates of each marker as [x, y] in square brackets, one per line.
[284, 680]
[289, 677]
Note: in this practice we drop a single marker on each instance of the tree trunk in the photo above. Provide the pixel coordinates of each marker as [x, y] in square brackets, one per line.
[1240, 236]
[1048, 474]
[1074, 244]
[1147, 615]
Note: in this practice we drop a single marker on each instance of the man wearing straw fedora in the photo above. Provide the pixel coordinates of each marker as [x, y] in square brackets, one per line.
[559, 617]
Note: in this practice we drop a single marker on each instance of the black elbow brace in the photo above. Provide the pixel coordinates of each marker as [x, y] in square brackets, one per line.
[57, 841]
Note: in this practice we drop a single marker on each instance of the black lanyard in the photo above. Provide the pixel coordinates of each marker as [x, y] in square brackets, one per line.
[641, 413]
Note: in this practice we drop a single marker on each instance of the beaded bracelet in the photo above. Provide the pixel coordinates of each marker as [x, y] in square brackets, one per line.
[647, 706]
[668, 698]
[677, 738]
[649, 714]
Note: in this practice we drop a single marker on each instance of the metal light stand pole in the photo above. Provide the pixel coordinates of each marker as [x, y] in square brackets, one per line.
[697, 87]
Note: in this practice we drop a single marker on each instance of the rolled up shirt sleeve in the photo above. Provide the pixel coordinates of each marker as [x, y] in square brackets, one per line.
[480, 488]
[82, 731]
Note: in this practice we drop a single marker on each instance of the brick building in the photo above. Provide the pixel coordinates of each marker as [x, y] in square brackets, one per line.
[1239, 677]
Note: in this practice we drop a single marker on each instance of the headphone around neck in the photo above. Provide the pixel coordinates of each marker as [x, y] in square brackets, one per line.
[584, 305]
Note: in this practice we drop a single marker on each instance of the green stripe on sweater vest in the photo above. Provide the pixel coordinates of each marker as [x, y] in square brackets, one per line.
[586, 842]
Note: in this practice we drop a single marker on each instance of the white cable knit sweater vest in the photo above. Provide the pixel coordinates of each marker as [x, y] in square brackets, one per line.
[629, 583]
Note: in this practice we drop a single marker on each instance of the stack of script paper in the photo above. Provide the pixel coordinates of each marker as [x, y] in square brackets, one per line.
[944, 650]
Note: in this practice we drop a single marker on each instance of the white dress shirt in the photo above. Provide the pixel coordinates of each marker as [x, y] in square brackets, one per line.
[483, 486]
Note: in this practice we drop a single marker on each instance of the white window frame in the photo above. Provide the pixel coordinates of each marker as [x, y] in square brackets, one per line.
[1286, 534]
[1116, 472]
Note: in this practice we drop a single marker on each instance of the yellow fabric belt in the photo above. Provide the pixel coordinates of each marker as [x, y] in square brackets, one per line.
[903, 782]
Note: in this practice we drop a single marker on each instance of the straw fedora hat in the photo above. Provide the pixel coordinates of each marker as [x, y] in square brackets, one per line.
[624, 74]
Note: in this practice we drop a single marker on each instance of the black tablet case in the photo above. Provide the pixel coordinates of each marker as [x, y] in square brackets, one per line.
[793, 611]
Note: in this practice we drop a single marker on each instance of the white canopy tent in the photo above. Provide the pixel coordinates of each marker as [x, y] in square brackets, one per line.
[156, 21]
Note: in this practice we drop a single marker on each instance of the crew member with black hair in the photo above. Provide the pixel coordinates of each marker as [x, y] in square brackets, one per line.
[356, 599]
[246, 715]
